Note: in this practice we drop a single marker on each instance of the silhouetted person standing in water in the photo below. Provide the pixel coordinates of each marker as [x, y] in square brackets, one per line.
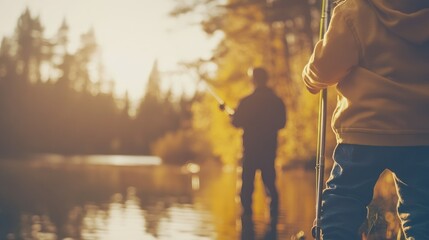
[260, 115]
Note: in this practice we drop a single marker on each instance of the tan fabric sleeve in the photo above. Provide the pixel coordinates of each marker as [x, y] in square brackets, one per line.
[334, 56]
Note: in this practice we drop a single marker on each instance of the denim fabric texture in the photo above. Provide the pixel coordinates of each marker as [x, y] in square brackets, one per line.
[349, 189]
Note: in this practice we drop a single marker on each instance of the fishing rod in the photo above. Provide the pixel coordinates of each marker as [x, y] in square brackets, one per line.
[321, 134]
[220, 101]
[222, 106]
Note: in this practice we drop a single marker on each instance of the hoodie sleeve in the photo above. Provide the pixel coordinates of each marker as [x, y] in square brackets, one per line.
[334, 56]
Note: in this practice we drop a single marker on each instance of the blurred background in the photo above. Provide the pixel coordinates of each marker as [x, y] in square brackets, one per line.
[108, 130]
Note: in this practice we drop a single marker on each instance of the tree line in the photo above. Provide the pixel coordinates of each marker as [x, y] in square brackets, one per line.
[56, 101]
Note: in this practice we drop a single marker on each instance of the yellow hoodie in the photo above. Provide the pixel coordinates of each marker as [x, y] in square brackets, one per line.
[377, 54]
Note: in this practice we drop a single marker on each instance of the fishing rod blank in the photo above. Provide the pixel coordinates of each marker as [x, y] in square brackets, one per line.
[321, 138]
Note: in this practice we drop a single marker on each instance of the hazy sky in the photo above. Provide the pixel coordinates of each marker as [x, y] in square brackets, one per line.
[131, 33]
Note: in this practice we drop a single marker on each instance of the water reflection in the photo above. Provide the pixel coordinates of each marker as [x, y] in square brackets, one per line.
[118, 160]
[124, 219]
[57, 199]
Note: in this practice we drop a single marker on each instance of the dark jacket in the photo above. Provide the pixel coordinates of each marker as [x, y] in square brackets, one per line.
[260, 115]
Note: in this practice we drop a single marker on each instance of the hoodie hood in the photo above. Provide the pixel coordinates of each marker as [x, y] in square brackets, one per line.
[408, 19]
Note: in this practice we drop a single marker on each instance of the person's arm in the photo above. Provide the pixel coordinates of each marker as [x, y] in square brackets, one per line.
[334, 56]
[281, 117]
[279, 114]
[238, 117]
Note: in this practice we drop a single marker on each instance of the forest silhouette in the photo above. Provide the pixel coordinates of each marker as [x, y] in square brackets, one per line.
[52, 102]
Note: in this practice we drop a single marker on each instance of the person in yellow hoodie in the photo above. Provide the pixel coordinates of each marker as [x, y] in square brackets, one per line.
[376, 52]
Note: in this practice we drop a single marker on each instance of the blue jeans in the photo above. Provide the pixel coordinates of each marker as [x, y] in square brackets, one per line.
[350, 188]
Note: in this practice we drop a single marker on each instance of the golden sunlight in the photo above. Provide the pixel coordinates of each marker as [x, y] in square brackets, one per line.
[131, 35]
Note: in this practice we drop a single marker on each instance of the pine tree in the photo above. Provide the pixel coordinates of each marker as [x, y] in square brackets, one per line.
[30, 42]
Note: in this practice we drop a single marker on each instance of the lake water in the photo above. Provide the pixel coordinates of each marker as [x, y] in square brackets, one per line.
[122, 197]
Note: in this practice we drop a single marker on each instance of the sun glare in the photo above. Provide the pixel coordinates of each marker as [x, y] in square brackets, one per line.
[131, 35]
